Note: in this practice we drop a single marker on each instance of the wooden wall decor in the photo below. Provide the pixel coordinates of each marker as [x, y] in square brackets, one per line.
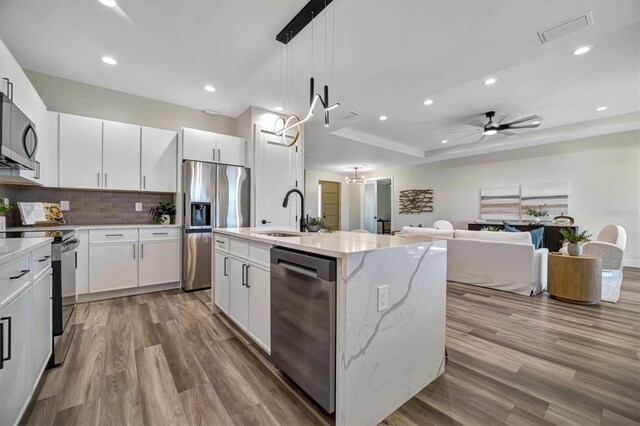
[414, 201]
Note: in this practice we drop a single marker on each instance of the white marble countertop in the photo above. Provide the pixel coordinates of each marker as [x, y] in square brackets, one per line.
[335, 244]
[12, 248]
[80, 227]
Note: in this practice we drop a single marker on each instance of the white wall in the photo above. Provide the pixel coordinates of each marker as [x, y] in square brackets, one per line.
[312, 178]
[603, 174]
[73, 97]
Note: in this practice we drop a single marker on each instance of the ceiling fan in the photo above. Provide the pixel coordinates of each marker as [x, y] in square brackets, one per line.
[504, 128]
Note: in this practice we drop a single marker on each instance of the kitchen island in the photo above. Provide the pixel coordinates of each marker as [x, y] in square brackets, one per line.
[384, 354]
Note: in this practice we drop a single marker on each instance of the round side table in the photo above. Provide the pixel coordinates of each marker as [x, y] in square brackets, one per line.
[575, 279]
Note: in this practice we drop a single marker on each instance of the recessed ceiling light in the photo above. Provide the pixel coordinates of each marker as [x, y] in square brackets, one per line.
[109, 3]
[602, 108]
[109, 60]
[581, 50]
[382, 117]
[445, 141]
[490, 81]
[490, 132]
[428, 102]
[279, 108]
[209, 88]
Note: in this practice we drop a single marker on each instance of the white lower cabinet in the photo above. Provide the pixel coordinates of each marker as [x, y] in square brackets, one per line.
[158, 262]
[41, 326]
[242, 287]
[16, 364]
[221, 281]
[238, 293]
[113, 266]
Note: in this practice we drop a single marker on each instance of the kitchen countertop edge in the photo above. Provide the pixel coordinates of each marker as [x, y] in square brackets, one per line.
[85, 227]
[12, 248]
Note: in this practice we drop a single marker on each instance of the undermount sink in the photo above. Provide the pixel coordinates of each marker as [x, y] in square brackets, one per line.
[278, 234]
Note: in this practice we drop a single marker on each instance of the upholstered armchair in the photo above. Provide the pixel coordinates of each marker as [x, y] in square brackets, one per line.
[609, 246]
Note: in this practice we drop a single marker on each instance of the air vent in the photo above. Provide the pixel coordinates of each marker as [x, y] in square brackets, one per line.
[349, 115]
[566, 28]
[211, 112]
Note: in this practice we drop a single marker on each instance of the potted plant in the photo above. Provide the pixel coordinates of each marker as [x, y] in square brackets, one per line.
[537, 212]
[4, 208]
[315, 224]
[162, 213]
[574, 240]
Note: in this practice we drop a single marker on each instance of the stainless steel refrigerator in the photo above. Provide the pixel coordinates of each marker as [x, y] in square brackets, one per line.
[215, 196]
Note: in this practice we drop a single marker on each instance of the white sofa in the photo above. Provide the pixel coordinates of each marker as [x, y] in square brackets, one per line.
[502, 260]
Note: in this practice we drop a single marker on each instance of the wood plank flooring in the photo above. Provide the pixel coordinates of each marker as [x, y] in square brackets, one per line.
[163, 358]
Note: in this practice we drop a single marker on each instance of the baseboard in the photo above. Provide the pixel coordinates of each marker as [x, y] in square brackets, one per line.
[92, 297]
[631, 263]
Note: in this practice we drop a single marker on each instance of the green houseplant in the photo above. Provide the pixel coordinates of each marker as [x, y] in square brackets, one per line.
[574, 240]
[4, 208]
[314, 224]
[162, 213]
[537, 212]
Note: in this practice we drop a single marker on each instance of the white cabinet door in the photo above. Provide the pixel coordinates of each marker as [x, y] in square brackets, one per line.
[259, 284]
[41, 327]
[159, 160]
[80, 141]
[238, 293]
[121, 156]
[14, 374]
[231, 150]
[221, 281]
[159, 262]
[113, 266]
[198, 145]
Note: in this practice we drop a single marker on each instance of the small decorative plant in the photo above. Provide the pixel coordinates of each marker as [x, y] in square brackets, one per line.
[4, 208]
[491, 228]
[314, 224]
[539, 211]
[574, 240]
[162, 213]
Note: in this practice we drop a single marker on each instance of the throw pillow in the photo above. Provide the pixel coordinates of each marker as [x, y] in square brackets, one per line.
[509, 228]
[536, 235]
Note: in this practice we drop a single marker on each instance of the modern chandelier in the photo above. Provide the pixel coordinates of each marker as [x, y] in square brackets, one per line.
[301, 20]
[356, 178]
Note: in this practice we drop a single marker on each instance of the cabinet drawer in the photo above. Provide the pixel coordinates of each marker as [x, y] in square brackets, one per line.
[154, 234]
[40, 260]
[239, 247]
[14, 277]
[113, 235]
[221, 243]
[260, 253]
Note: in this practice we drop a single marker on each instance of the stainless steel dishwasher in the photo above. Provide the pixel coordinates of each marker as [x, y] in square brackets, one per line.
[303, 322]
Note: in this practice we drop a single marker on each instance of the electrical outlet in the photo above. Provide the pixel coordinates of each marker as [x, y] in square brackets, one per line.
[138, 207]
[64, 205]
[383, 297]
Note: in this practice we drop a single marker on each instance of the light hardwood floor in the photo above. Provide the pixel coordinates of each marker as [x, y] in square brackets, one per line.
[163, 358]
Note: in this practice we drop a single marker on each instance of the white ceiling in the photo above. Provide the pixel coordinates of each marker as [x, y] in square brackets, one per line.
[389, 57]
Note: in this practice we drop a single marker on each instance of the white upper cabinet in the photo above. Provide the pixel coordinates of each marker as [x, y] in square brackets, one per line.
[80, 152]
[231, 150]
[199, 145]
[121, 156]
[159, 160]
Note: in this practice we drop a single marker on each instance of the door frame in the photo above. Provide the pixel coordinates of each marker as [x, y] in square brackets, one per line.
[376, 179]
[339, 200]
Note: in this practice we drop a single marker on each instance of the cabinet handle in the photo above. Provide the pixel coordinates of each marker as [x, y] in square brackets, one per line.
[20, 275]
[98, 179]
[225, 267]
[247, 277]
[141, 251]
[219, 241]
[160, 233]
[144, 182]
[44, 259]
[105, 180]
[114, 235]
[8, 357]
[214, 154]
[244, 268]
[219, 157]
[134, 251]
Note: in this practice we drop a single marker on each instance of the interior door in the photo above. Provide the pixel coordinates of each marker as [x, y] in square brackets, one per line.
[330, 207]
[121, 156]
[370, 210]
[276, 170]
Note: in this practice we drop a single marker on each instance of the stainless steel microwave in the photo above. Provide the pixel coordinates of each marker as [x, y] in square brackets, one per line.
[19, 140]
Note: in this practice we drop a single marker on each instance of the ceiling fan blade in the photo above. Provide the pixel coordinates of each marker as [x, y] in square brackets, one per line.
[520, 126]
[522, 120]
[483, 137]
[461, 131]
[466, 136]
[507, 132]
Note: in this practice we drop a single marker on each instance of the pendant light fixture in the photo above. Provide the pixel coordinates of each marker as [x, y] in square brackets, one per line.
[303, 18]
[356, 179]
